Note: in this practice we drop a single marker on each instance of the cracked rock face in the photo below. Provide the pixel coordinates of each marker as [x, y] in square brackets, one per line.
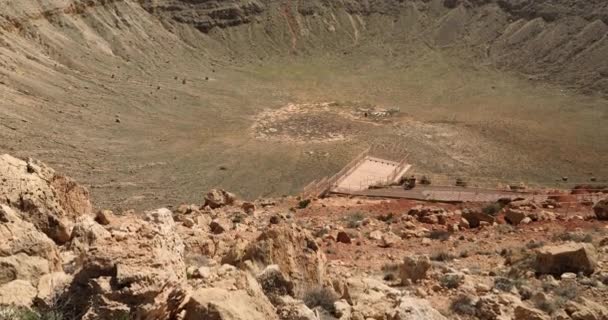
[49, 201]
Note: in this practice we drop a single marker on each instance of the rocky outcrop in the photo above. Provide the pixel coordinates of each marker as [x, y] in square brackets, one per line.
[25, 253]
[216, 303]
[568, 257]
[475, 218]
[415, 309]
[217, 198]
[293, 250]
[49, 201]
[143, 274]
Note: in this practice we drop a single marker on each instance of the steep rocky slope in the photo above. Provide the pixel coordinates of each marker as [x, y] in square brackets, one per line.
[337, 258]
[137, 96]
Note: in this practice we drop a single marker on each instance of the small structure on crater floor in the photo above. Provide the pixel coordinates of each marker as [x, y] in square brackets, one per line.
[367, 170]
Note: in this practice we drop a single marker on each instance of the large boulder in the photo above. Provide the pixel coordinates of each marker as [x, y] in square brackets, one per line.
[601, 209]
[50, 201]
[568, 257]
[414, 268]
[474, 217]
[515, 216]
[86, 233]
[143, 275]
[293, 250]
[415, 309]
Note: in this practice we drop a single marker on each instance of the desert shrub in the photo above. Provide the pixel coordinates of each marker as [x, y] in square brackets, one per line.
[493, 208]
[442, 256]
[388, 218]
[573, 236]
[425, 180]
[391, 271]
[450, 281]
[320, 297]
[439, 235]
[551, 305]
[303, 203]
[534, 244]
[14, 313]
[460, 182]
[505, 228]
[569, 291]
[507, 284]
[274, 283]
[463, 305]
[321, 232]
[354, 220]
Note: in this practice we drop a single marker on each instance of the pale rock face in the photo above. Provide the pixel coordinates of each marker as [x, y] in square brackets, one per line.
[216, 303]
[51, 286]
[218, 198]
[585, 309]
[17, 293]
[294, 251]
[414, 268]
[142, 275]
[86, 233]
[50, 201]
[415, 309]
[371, 298]
[292, 309]
[25, 252]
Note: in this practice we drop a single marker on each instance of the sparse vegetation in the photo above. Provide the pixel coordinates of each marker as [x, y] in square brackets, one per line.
[439, 235]
[573, 236]
[425, 180]
[354, 220]
[303, 204]
[493, 208]
[450, 281]
[391, 271]
[464, 305]
[320, 297]
[508, 284]
[16, 313]
[388, 218]
[460, 182]
[442, 256]
[535, 244]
